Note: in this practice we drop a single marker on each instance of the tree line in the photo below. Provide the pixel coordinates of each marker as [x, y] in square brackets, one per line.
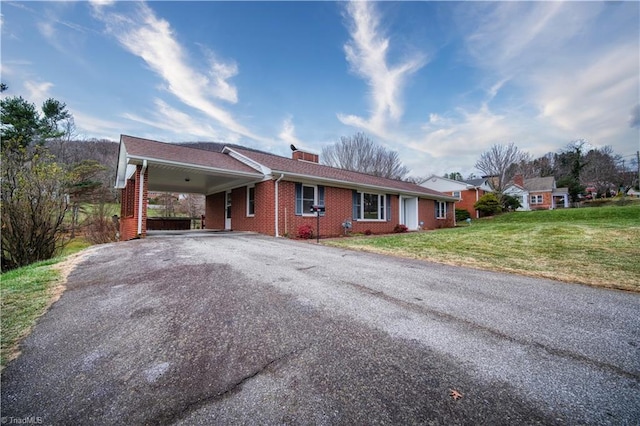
[583, 169]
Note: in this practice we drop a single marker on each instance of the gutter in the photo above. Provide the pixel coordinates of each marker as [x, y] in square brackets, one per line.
[276, 202]
[141, 196]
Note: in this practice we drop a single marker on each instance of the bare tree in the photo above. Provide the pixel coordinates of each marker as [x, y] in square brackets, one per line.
[497, 162]
[358, 153]
[600, 169]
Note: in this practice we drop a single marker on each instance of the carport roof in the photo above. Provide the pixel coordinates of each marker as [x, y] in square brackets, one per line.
[175, 168]
[138, 148]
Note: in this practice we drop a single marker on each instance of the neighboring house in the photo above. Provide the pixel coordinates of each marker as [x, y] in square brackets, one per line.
[538, 193]
[250, 190]
[633, 193]
[467, 192]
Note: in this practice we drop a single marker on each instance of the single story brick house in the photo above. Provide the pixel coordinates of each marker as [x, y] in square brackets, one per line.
[538, 193]
[468, 192]
[250, 190]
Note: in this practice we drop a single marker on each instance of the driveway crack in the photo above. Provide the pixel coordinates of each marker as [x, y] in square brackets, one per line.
[231, 389]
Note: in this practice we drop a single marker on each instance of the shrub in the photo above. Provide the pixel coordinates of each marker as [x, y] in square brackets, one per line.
[400, 228]
[100, 226]
[305, 232]
[488, 204]
[462, 215]
[510, 203]
[368, 232]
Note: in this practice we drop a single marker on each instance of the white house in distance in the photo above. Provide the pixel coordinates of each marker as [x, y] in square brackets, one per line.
[538, 193]
[468, 192]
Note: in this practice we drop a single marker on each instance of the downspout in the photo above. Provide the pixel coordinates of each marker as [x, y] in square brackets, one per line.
[141, 196]
[276, 207]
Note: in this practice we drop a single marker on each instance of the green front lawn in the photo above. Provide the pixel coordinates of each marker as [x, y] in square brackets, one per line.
[595, 246]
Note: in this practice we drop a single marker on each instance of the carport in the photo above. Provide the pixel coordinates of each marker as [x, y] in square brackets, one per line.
[145, 165]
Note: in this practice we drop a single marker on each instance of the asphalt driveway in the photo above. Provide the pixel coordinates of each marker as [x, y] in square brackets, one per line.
[246, 329]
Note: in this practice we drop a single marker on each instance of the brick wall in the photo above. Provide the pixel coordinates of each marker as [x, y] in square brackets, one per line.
[468, 200]
[427, 214]
[131, 193]
[546, 201]
[339, 207]
[214, 211]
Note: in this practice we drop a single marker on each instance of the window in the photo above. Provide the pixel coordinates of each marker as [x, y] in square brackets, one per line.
[456, 194]
[441, 210]
[308, 196]
[368, 206]
[536, 199]
[251, 201]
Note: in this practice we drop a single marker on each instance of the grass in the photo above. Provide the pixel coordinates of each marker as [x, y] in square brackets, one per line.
[25, 294]
[594, 246]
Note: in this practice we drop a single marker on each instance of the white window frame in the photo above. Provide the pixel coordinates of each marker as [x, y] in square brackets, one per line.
[536, 199]
[249, 188]
[315, 199]
[441, 210]
[456, 194]
[382, 207]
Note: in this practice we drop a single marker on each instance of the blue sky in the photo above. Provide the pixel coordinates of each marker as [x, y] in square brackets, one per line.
[439, 82]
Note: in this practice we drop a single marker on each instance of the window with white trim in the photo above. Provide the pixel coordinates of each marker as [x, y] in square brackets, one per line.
[369, 206]
[251, 201]
[456, 194]
[308, 196]
[536, 199]
[441, 210]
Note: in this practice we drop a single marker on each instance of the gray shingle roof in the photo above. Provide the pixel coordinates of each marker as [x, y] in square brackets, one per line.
[320, 172]
[539, 184]
[210, 157]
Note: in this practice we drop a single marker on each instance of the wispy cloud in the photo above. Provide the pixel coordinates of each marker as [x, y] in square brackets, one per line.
[37, 92]
[170, 119]
[288, 133]
[152, 39]
[366, 53]
[549, 77]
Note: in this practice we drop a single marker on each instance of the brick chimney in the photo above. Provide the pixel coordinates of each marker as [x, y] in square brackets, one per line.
[305, 156]
[519, 180]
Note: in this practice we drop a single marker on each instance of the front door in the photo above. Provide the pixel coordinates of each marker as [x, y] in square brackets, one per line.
[227, 210]
[409, 212]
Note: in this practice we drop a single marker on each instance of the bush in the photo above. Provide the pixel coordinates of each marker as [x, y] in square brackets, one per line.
[34, 204]
[100, 226]
[368, 232]
[488, 204]
[510, 203]
[462, 215]
[400, 228]
[305, 232]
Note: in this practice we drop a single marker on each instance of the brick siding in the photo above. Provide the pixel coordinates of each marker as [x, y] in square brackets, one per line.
[128, 216]
[339, 207]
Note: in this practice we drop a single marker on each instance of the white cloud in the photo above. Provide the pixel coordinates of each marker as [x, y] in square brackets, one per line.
[37, 92]
[366, 53]
[552, 73]
[288, 133]
[170, 119]
[152, 39]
